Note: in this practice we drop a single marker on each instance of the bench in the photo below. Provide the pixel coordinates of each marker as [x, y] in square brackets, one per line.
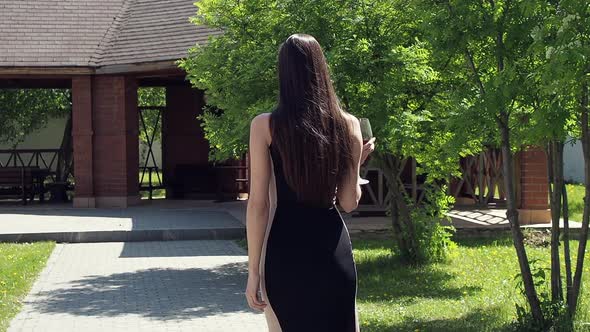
[17, 182]
[238, 175]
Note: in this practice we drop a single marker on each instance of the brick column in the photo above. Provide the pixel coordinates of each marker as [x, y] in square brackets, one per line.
[184, 143]
[82, 141]
[116, 142]
[533, 188]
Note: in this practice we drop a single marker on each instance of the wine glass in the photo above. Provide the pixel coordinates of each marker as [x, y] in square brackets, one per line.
[367, 134]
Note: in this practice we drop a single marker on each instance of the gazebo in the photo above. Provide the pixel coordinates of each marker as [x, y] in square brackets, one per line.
[103, 51]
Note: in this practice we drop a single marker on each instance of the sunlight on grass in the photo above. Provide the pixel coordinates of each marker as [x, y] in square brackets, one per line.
[575, 197]
[473, 291]
[19, 266]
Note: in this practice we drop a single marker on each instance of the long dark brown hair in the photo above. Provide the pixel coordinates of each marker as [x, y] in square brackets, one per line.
[309, 129]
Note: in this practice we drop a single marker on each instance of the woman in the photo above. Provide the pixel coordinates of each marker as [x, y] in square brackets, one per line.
[304, 155]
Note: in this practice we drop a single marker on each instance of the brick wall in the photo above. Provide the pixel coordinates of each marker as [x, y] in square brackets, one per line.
[82, 135]
[534, 190]
[115, 122]
[105, 139]
[183, 141]
[183, 138]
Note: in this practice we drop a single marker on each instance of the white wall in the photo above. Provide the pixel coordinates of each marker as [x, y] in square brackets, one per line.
[156, 149]
[46, 138]
[573, 162]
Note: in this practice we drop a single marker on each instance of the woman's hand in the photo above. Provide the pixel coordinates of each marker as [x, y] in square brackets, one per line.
[252, 292]
[367, 149]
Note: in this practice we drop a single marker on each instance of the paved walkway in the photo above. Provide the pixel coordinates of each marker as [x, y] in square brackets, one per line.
[170, 220]
[141, 286]
[471, 218]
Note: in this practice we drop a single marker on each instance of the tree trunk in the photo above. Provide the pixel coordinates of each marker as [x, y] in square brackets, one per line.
[586, 216]
[566, 252]
[401, 219]
[512, 214]
[555, 170]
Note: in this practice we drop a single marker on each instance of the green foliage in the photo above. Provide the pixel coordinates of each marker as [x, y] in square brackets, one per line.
[487, 46]
[22, 111]
[435, 240]
[493, 46]
[556, 314]
[151, 96]
[381, 68]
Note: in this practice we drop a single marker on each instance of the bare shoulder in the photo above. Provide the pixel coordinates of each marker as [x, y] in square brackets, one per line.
[260, 126]
[353, 122]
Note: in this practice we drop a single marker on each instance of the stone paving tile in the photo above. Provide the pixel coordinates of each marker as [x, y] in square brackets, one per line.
[19, 221]
[141, 286]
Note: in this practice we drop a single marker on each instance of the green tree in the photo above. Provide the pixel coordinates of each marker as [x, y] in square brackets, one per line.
[563, 47]
[22, 111]
[151, 96]
[381, 70]
[488, 44]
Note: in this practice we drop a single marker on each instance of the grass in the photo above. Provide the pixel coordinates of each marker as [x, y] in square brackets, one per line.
[575, 198]
[157, 193]
[474, 290]
[19, 266]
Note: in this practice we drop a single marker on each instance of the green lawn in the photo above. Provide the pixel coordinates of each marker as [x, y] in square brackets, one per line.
[19, 266]
[473, 291]
[575, 198]
[157, 193]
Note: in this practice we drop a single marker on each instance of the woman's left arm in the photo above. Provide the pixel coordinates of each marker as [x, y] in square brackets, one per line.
[258, 203]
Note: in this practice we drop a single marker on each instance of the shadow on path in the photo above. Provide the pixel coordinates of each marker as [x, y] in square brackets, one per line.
[154, 293]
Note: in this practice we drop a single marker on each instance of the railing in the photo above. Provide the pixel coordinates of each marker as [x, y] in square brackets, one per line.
[149, 130]
[481, 182]
[376, 196]
[48, 159]
[236, 171]
[147, 173]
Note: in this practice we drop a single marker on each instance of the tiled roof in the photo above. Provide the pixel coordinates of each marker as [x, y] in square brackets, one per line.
[91, 33]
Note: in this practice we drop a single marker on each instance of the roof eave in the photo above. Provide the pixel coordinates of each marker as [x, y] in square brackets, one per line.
[131, 68]
[50, 70]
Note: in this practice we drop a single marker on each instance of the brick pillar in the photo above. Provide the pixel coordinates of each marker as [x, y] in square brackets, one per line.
[106, 143]
[533, 189]
[82, 141]
[184, 148]
[116, 142]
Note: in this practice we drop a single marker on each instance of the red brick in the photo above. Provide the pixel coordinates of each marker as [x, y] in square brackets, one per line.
[105, 135]
[82, 135]
[533, 179]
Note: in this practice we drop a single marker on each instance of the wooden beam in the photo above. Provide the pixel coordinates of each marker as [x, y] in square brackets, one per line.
[59, 71]
[144, 68]
[35, 83]
[139, 67]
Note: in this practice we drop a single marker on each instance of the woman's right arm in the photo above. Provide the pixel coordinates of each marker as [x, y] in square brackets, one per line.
[349, 191]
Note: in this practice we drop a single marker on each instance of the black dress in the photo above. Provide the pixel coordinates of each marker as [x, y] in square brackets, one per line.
[308, 271]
